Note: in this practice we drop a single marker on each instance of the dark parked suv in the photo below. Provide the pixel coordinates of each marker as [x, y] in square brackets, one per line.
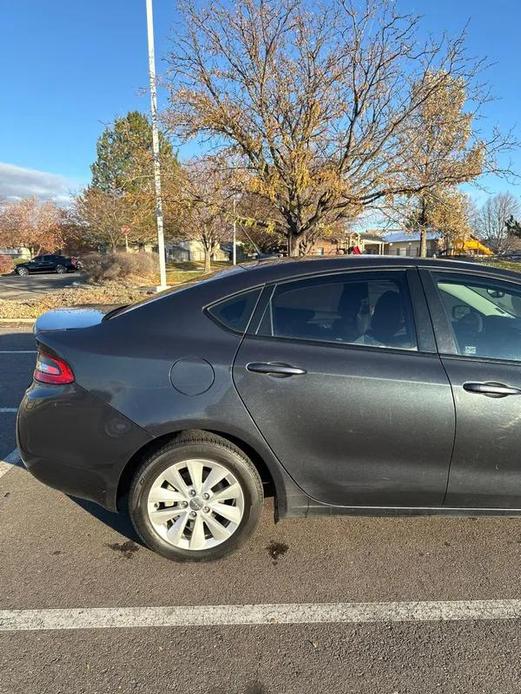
[47, 263]
[363, 385]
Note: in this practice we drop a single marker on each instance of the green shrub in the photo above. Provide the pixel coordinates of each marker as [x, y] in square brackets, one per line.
[125, 268]
[6, 264]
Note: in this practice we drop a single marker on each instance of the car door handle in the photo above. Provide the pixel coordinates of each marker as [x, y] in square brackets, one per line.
[275, 369]
[493, 390]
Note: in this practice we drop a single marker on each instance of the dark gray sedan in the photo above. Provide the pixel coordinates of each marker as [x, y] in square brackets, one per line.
[364, 385]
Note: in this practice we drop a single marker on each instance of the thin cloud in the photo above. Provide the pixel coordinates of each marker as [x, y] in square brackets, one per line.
[18, 182]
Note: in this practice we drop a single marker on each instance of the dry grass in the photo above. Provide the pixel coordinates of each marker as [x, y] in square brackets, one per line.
[72, 296]
[174, 276]
[503, 264]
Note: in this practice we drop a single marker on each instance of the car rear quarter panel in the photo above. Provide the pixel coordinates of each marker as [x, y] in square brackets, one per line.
[126, 362]
[72, 441]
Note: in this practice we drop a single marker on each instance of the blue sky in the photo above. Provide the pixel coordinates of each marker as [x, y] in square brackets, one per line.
[68, 67]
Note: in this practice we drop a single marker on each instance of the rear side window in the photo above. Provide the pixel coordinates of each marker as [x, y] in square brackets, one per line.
[235, 312]
[370, 309]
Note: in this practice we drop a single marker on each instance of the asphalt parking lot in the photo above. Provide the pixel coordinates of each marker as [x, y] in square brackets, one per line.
[60, 553]
[15, 287]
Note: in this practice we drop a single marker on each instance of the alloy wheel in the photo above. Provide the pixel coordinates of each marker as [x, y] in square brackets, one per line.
[195, 504]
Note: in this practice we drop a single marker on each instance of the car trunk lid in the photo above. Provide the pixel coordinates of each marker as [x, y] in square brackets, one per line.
[72, 318]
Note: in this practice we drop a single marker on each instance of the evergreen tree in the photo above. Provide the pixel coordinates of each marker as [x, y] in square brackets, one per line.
[124, 156]
[119, 204]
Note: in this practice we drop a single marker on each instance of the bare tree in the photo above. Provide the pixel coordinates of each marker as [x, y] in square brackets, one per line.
[491, 221]
[205, 205]
[317, 105]
[32, 224]
[113, 219]
[102, 217]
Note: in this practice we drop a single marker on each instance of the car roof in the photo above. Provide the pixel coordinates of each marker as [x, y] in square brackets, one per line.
[243, 277]
[250, 275]
[287, 267]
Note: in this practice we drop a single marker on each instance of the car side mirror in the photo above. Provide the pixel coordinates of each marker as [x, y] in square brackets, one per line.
[460, 311]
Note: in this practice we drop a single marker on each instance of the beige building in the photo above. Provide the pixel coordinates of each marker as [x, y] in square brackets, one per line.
[191, 250]
[408, 244]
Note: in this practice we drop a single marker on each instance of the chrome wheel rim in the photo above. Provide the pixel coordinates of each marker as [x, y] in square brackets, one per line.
[195, 504]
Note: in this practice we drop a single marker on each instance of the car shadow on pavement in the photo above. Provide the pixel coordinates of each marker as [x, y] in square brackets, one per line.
[120, 522]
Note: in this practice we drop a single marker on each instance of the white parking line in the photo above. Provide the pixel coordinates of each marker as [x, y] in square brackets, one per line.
[7, 463]
[8, 409]
[248, 615]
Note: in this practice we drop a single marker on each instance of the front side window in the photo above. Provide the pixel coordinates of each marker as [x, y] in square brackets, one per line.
[371, 309]
[484, 316]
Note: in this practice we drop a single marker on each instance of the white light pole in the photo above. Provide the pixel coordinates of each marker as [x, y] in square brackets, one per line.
[234, 249]
[155, 146]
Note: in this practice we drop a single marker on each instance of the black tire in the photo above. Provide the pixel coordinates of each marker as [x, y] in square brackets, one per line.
[61, 269]
[205, 446]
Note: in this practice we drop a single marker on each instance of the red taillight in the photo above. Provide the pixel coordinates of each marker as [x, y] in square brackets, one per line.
[52, 369]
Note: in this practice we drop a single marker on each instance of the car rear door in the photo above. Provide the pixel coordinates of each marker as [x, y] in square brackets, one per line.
[48, 263]
[342, 378]
[477, 319]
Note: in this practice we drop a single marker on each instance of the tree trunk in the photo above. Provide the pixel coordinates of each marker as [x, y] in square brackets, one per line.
[293, 245]
[207, 260]
[423, 242]
[305, 244]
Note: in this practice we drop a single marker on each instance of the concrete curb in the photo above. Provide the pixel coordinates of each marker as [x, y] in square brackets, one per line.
[17, 320]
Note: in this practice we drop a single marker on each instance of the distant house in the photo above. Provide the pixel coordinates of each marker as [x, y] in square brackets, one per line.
[15, 253]
[404, 243]
[408, 244]
[191, 250]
